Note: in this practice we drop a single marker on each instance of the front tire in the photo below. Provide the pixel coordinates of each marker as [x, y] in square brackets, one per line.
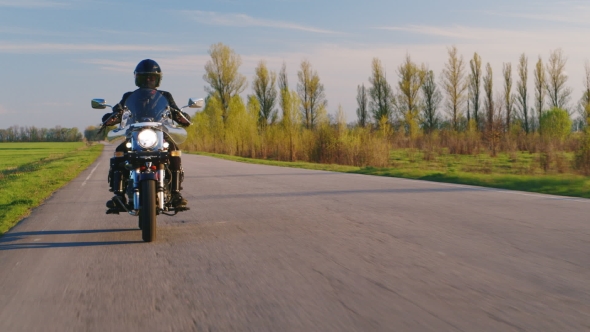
[147, 213]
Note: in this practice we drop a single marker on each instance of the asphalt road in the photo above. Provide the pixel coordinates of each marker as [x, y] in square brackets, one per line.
[280, 249]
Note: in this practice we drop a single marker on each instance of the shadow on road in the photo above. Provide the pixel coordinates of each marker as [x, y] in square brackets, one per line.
[18, 236]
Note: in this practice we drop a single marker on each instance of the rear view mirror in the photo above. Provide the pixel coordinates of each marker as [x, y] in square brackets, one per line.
[99, 104]
[196, 103]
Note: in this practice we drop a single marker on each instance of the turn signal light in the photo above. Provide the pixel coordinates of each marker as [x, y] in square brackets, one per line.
[176, 153]
[119, 153]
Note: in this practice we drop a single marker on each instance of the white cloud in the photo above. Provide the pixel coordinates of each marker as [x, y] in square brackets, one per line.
[4, 110]
[6, 47]
[177, 65]
[112, 65]
[243, 20]
[54, 104]
[564, 12]
[466, 34]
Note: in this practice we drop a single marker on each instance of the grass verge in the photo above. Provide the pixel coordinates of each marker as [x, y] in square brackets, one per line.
[31, 172]
[496, 172]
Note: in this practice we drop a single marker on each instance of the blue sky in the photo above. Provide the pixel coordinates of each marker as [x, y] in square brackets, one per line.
[56, 55]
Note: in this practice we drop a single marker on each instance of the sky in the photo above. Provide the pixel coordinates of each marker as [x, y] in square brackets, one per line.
[56, 55]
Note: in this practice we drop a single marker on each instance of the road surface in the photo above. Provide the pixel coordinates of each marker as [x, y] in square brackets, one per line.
[282, 249]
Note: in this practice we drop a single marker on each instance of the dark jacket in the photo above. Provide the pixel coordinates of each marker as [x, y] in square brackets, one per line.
[118, 110]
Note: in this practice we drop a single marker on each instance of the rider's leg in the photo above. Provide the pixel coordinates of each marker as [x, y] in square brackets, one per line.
[117, 176]
[176, 183]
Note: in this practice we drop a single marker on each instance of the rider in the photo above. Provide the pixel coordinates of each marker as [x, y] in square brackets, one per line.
[147, 75]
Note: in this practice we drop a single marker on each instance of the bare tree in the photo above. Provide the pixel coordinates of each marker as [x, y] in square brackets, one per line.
[522, 91]
[312, 95]
[221, 72]
[558, 93]
[431, 99]
[265, 92]
[453, 80]
[474, 87]
[508, 96]
[381, 94]
[540, 92]
[362, 100]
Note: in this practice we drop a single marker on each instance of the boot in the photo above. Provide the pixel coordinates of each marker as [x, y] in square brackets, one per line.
[117, 166]
[114, 205]
[177, 200]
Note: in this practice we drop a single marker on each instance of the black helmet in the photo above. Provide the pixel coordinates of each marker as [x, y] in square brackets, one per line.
[143, 69]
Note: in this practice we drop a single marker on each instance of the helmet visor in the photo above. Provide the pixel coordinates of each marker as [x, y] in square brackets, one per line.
[147, 80]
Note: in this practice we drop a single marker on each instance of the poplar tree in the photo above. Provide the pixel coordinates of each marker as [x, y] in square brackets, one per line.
[381, 94]
[265, 92]
[221, 72]
[522, 91]
[411, 78]
[558, 93]
[508, 96]
[540, 92]
[488, 87]
[585, 100]
[283, 88]
[312, 95]
[362, 100]
[474, 87]
[431, 101]
[453, 81]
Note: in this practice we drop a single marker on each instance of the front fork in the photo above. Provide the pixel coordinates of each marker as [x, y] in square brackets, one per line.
[160, 178]
[161, 186]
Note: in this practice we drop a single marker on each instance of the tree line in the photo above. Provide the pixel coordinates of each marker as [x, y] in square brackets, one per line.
[460, 111]
[465, 94]
[34, 134]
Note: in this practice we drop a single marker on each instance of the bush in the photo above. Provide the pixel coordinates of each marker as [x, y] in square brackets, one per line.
[555, 124]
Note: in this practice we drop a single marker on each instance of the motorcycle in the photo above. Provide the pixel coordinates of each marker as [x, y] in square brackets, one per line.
[147, 125]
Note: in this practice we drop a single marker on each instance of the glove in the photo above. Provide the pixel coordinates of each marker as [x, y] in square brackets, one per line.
[178, 117]
[110, 119]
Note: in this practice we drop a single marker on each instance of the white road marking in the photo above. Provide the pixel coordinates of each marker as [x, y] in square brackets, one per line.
[89, 175]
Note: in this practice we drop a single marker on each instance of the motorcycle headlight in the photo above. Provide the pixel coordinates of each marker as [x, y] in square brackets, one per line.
[147, 138]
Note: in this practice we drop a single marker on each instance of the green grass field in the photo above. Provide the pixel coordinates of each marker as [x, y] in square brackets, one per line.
[31, 172]
[515, 171]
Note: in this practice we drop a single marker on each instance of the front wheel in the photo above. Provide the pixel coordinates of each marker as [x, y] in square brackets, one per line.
[147, 212]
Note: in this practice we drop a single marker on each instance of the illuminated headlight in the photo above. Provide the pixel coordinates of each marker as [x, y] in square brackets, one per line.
[147, 138]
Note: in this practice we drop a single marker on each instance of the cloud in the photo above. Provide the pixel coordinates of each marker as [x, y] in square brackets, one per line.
[31, 4]
[565, 12]
[6, 47]
[4, 110]
[54, 104]
[243, 20]
[178, 65]
[112, 65]
[559, 37]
